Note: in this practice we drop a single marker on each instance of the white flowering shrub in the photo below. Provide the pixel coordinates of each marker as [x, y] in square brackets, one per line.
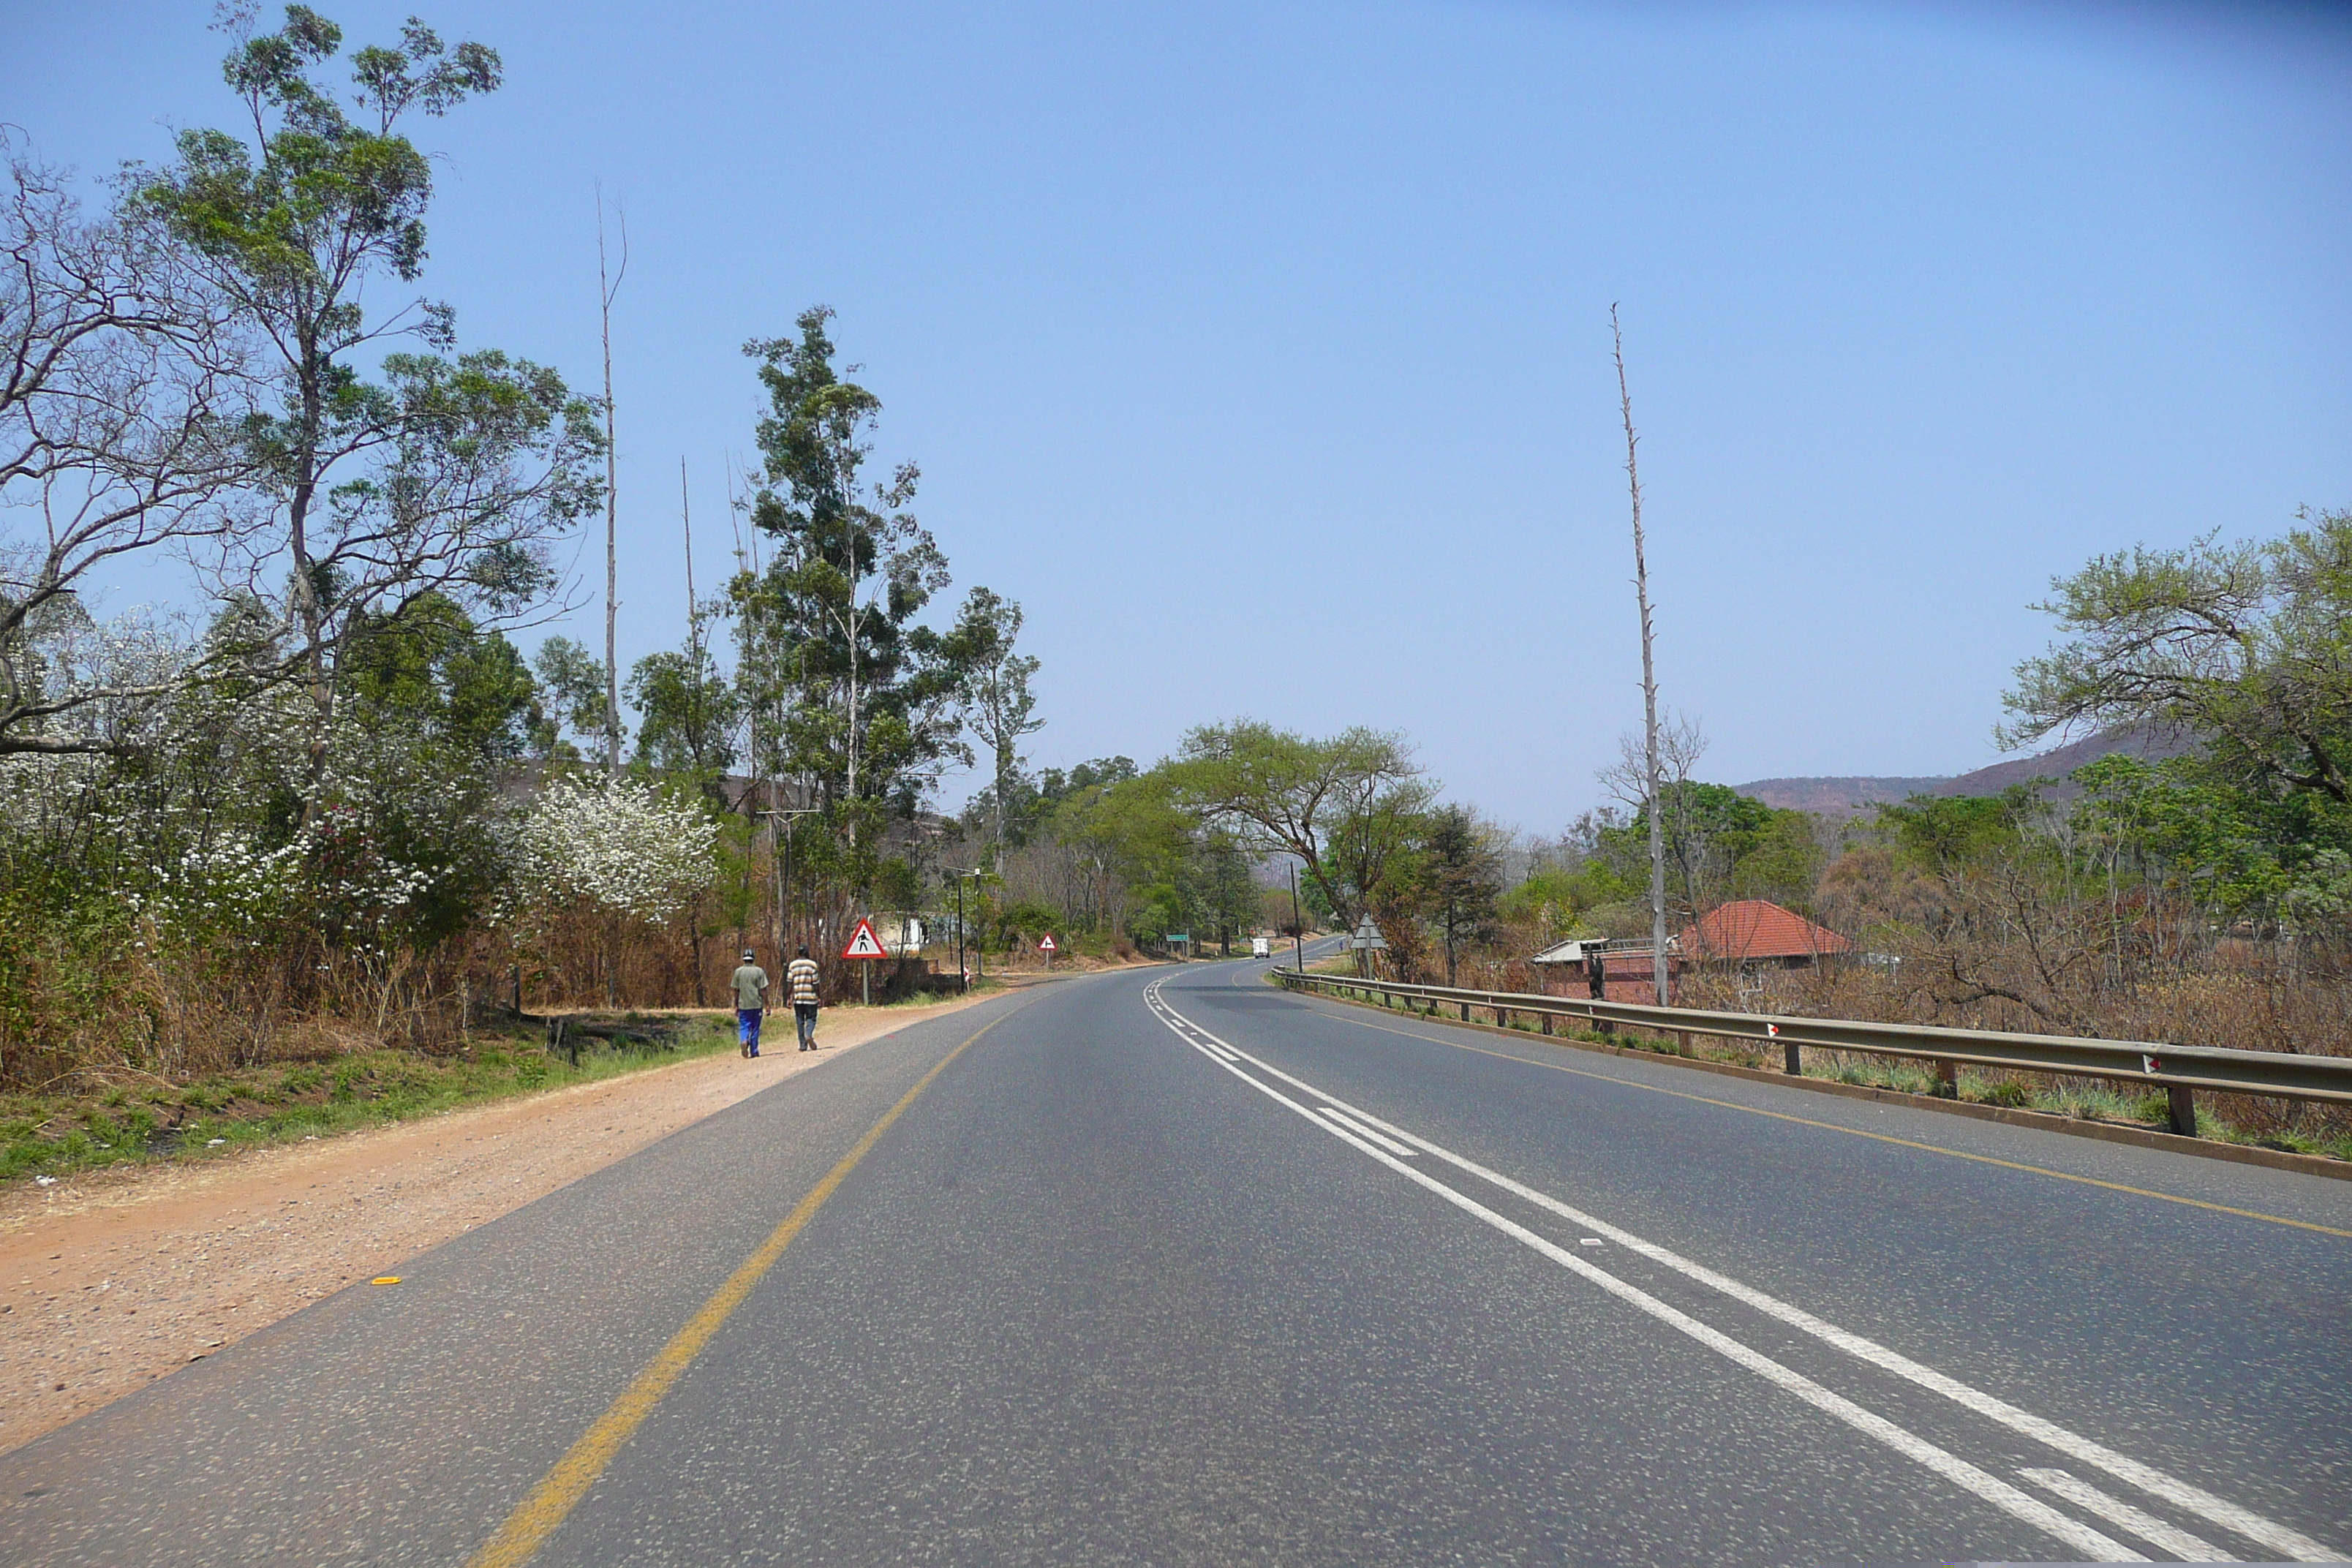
[627, 847]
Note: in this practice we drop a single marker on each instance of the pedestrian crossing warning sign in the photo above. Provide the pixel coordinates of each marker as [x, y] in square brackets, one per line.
[1046, 942]
[863, 943]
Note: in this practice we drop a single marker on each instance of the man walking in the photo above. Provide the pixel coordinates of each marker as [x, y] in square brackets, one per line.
[800, 979]
[751, 997]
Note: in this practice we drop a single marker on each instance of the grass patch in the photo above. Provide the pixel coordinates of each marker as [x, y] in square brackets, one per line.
[120, 1123]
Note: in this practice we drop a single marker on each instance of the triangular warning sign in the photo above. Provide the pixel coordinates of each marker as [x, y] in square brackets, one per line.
[863, 943]
[1046, 943]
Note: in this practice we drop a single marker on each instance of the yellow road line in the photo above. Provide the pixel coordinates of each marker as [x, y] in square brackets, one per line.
[559, 1491]
[1859, 1132]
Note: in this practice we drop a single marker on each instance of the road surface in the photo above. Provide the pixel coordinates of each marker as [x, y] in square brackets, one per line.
[1167, 1266]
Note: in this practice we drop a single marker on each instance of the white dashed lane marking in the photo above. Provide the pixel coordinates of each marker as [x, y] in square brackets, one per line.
[1358, 1129]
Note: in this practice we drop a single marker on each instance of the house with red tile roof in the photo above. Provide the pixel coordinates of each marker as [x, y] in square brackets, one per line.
[1758, 931]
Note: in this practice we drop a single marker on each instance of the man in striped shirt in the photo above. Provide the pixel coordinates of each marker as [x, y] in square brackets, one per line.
[800, 979]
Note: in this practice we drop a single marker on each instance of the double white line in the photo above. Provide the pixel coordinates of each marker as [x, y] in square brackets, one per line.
[1392, 1146]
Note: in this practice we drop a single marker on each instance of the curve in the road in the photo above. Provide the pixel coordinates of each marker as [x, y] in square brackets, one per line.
[1384, 1142]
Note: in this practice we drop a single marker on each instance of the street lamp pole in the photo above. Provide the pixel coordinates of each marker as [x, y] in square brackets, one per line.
[976, 959]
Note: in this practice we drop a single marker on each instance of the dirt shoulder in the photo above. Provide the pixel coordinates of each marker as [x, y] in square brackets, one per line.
[111, 1280]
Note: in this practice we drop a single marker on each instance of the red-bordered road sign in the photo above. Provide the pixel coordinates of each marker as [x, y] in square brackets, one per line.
[863, 943]
[1046, 943]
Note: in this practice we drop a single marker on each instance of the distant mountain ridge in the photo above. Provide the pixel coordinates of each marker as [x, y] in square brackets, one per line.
[1853, 797]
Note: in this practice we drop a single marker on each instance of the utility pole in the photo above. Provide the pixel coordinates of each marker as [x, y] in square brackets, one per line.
[606, 290]
[979, 958]
[1655, 808]
[1297, 926]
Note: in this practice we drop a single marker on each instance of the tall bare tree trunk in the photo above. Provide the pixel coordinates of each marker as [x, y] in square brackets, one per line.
[606, 290]
[693, 654]
[311, 607]
[1660, 978]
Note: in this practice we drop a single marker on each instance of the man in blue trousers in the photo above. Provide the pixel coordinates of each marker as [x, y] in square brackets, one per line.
[751, 997]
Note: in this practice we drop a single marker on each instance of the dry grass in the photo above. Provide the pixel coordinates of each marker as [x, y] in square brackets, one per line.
[2233, 999]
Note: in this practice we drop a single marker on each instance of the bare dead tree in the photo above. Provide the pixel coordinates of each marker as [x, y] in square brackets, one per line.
[605, 291]
[1679, 742]
[122, 387]
[1660, 977]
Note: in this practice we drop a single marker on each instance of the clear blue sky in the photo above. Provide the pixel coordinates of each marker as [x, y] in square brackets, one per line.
[1261, 350]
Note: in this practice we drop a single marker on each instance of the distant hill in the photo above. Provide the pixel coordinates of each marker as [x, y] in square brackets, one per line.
[1839, 796]
[1853, 797]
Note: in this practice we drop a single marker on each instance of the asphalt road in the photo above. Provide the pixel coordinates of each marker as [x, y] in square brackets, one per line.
[1167, 1266]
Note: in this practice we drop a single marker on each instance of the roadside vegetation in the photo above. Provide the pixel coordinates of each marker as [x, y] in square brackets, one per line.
[2082, 1100]
[313, 808]
[279, 1101]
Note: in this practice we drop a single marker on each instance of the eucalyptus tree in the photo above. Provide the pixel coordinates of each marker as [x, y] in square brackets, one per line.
[445, 477]
[571, 696]
[996, 693]
[859, 701]
[689, 715]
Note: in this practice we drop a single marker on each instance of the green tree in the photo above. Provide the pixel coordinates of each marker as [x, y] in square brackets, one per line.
[446, 478]
[996, 692]
[1342, 805]
[859, 698]
[1782, 861]
[1711, 830]
[2246, 646]
[1551, 901]
[1950, 835]
[437, 708]
[1461, 878]
[1134, 844]
[689, 714]
[571, 687]
[1229, 893]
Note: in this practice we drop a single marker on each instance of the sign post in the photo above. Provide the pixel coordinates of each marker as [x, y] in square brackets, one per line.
[1045, 945]
[865, 946]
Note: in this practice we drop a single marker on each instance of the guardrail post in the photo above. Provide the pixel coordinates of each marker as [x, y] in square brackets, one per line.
[1795, 1057]
[1465, 1012]
[1682, 1042]
[1543, 1022]
[1947, 1079]
[2183, 1106]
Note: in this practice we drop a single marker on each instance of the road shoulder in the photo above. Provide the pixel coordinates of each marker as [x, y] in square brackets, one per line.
[109, 1283]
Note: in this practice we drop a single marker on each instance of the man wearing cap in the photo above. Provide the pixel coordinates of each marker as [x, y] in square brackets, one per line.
[750, 997]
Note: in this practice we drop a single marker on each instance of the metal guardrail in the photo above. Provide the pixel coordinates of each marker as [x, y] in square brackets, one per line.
[2180, 1071]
